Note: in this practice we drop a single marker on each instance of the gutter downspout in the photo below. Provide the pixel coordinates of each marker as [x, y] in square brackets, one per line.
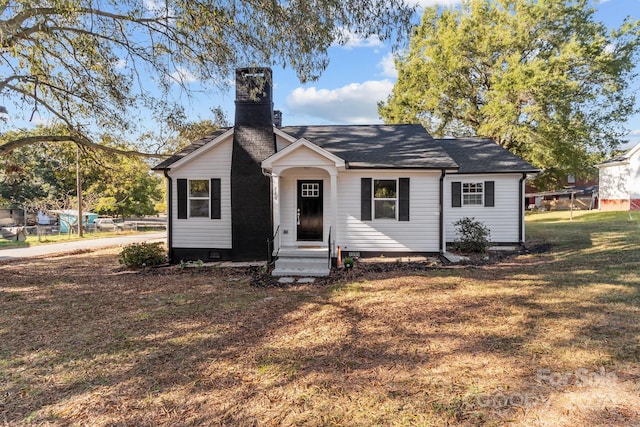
[442, 244]
[521, 210]
[169, 214]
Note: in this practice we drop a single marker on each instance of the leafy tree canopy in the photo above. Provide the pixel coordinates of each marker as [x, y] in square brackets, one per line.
[43, 176]
[542, 78]
[102, 66]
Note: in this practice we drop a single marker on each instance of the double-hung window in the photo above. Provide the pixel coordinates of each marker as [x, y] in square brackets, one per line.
[472, 193]
[385, 198]
[199, 198]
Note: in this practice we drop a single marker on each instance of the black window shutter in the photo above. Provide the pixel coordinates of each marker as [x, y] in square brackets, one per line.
[489, 194]
[182, 198]
[215, 198]
[403, 193]
[365, 199]
[456, 194]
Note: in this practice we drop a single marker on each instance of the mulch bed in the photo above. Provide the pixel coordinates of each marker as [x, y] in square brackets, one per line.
[364, 269]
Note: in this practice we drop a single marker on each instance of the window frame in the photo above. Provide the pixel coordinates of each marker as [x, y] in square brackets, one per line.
[374, 199]
[200, 198]
[466, 193]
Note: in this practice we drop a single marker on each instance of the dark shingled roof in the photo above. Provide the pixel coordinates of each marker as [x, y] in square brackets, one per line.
[377, 146]
[616, 159]
[189, 149]
[394, 147]
[481, 155]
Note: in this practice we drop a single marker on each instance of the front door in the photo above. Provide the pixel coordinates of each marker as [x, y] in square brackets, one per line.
[309, 211]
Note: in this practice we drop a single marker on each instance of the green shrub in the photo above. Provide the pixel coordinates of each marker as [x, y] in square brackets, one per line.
[348, 262]
[474, 236]
[143, 254]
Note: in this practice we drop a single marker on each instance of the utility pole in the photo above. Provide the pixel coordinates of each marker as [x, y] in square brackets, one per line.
[79, 191]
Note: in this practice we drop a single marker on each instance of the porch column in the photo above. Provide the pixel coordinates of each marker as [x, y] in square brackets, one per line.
[275, 179]
[334, 207]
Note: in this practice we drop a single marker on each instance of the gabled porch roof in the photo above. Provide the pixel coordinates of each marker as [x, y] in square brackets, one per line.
[318, 157]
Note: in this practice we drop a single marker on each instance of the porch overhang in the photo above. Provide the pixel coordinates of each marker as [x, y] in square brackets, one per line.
[303, 153]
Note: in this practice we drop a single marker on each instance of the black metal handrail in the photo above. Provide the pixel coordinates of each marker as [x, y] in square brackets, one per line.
[329, 246]
[270, 246]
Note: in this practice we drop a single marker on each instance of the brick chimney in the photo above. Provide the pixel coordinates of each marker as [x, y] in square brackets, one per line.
[253, 141]
[277, 118]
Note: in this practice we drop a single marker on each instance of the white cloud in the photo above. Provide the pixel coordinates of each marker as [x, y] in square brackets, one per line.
[429, 3]
[154, 5]
[634, 133]
[183, 76]
[388, 66]
[355, 103]
[39, 120]
[354, 40]
[120, 64]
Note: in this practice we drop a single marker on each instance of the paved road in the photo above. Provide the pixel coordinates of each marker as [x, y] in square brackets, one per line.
[57, 248]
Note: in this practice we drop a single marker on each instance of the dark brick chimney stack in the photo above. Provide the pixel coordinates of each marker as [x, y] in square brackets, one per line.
[253, 141]
[277, 118]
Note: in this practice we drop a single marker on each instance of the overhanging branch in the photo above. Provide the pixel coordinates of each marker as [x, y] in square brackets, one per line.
[27, 140]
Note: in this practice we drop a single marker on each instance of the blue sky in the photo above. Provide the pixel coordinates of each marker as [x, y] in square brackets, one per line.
[359, 75]
[362, 73]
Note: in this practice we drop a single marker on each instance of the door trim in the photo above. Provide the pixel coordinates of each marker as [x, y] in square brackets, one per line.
[315, 221]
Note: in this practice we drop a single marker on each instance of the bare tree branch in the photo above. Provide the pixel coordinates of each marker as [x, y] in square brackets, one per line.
[19, 142]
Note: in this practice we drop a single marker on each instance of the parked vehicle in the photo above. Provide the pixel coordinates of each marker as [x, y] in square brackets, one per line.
[107, 224]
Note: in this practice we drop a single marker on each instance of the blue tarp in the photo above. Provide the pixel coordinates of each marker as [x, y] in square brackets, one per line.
[69, 218]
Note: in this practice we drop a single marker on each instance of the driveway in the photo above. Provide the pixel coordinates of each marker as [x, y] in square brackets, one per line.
[58, 248]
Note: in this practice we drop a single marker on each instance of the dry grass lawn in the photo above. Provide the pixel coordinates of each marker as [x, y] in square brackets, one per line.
[548, 339]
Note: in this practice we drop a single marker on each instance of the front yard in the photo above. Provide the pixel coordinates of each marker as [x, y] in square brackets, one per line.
[538, 339]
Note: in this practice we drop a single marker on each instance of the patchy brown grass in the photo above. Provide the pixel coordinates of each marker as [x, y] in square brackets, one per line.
[543, 339]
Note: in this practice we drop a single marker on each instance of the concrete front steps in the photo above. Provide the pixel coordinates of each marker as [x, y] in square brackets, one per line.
[302, 261]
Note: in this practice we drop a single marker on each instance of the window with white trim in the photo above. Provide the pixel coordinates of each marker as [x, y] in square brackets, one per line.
[310, 189]
[472, 193]
[385, 198]
[199, 198]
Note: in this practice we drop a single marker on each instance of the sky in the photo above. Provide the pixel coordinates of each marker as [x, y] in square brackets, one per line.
[362, 73]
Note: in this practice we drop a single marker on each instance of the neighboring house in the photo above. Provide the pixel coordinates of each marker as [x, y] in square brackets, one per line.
[569, 193]
[370, 189]
[12, 217]
[620, 182]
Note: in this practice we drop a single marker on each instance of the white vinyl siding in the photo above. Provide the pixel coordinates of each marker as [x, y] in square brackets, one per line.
[419, 234]
[502, 219]
[634, 176]
[204, 232]
[613, 183]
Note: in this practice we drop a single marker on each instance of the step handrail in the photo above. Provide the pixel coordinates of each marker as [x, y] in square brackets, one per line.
[329, 246]
[271, 246]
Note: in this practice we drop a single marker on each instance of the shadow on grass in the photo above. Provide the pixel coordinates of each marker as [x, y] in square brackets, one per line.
[86, 342]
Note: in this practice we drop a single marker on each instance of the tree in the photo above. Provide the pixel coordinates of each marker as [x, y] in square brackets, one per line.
[43, 176]
[96, 65]
[188, 131]
[128, 188]
[540, 77]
